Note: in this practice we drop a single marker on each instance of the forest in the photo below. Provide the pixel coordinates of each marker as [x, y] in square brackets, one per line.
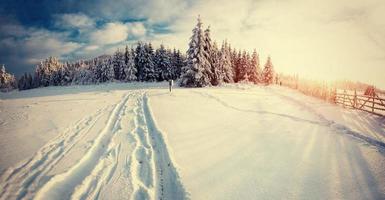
[204, 64]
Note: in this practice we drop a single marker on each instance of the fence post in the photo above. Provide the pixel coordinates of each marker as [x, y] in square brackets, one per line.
[343, 102]
[355, 99]
[373, 104]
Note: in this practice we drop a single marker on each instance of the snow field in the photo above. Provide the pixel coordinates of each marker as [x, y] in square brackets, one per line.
[254, 143]
[134, 141]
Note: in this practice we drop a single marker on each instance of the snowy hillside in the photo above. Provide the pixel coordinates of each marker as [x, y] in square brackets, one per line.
[138, 141]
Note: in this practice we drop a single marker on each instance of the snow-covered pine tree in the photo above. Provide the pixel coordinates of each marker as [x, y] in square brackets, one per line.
[234, 64]
[242, 67]
[96, 69]
[252, 67]
[139, 54]
[256, 64]
[144, 56]
[162, 64]
[225, 63]
[130, 70]
[268, 72]
[238, 66]
[177, 63]
[216, 67]
[211, 56]
[107, 70]
[148, 64]
[118, 62]
[64, 74]
[197, 71]
[44, 73]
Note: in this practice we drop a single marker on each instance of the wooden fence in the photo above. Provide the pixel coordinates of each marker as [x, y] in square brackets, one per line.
[372, 104]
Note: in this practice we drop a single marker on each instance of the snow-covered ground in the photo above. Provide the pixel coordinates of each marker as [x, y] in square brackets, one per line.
[138, 141]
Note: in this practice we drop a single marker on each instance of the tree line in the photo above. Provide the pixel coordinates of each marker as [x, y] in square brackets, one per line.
[141, 63]
[205, 64]
[208, 65]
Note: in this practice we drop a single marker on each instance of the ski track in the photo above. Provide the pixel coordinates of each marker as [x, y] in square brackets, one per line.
[23, 180]
[62, 186]
[128, 158]
[154, 175]
[339, 128]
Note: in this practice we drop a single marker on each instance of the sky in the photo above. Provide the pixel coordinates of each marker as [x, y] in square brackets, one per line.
[322, 40]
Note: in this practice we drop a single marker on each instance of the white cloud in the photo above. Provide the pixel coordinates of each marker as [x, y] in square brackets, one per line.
[110, 33]
[136, 29]
[74, 21]
[91, 48]
[34, 46]
[115, 32]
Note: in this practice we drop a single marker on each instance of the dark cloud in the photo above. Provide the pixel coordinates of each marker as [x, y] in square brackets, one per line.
[33, 30]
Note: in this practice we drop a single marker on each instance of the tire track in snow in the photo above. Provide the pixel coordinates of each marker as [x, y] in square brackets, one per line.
[23, 181]
[63, 185]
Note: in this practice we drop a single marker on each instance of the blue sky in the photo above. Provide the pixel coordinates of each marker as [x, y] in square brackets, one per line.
[327, 39]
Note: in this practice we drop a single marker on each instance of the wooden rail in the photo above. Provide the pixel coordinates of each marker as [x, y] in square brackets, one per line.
[371, 104]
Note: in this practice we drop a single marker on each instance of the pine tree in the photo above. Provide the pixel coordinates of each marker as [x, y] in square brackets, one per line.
[238, 66]
[149, 66]
[163, 64]
[21, 84]
[144, 56]
[130, 70]
[256, 64]
[268, 72]
[139, 54]
[177, 63]
[242, 67]
[107, 70]
[216, 67]
[252, 68]
[211, 55]
[197, 71]
[45, 73]
[225, 63]
[118, 62]
[233, 58]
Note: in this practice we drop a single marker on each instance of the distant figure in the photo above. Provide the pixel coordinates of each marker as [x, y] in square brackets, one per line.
[170, 83]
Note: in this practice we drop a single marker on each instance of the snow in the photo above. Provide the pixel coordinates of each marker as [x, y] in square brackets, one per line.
[138, 141]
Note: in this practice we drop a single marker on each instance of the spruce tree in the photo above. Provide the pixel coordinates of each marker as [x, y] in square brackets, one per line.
[225, 63]
[148, 63]
[211, 55]
[178, 62]
[118, 62]
[252, 67]
[139, 60]
[197, 71]
[163, 64]
[216, 67]
[268, 72]
[130, 70]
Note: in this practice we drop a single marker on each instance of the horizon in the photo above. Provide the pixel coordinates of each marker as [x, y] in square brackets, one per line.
[329, 41]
